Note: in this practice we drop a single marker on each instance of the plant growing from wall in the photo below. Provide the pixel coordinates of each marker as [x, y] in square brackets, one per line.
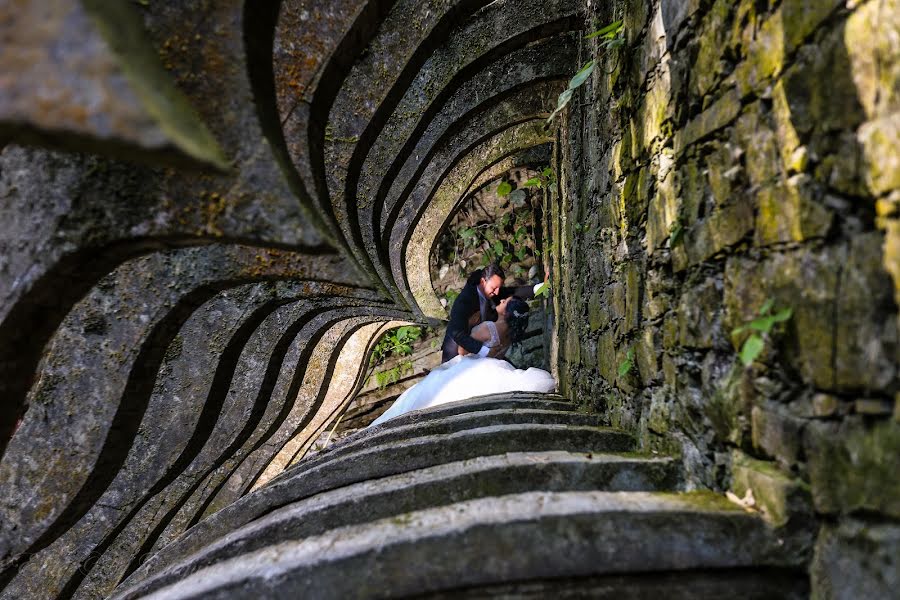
[391, 376]
[627, 364]
[504, 241]
[611, 37]
[396, 342]
[760, 328]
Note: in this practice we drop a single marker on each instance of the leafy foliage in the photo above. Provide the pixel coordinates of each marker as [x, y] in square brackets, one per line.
[505, 241]
[391, 376]
[543, 290]
[611, 37]
[759, 329]
[396, 342]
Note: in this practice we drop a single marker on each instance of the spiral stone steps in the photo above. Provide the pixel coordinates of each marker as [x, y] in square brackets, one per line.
[211, 210]
[462, 497]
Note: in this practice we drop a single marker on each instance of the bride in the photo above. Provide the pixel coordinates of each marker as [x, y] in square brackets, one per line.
[466, 376]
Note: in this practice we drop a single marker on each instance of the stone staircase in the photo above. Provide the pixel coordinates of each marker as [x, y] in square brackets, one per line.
[514, 495]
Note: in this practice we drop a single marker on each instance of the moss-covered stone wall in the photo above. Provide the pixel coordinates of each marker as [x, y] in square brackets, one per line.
[729, 153]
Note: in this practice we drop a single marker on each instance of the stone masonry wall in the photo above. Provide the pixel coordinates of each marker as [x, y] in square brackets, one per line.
[732, 152]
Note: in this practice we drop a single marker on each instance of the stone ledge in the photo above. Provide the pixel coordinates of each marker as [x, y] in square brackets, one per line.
[453, 482]
[501, 539]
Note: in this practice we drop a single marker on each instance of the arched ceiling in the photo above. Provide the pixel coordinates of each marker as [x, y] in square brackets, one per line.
[408, 97]
[177, 327]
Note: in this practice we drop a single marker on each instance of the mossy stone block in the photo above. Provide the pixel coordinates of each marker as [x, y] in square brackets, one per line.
[778, 495]
[791, 211]
[853, 466]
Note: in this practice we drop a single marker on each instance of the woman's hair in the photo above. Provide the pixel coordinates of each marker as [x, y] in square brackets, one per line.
[516, 318]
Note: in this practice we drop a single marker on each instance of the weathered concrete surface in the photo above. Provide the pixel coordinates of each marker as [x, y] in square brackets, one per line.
[314, 49]
[107, 212]
[544, 60]
[189, 387]
[276, 356]
[76, 434]
[83, 76]
[471, 51]
[454, 482]
[182, 499]
[234, 477]
[346, 368]
[450, 423]
[393, 56]
[302, 482]
[579, 533]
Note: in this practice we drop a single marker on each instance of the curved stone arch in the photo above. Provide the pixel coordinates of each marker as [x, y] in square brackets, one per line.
[447, 116]
[201, 502]
[117, 334]
[476, 128]
[492, 32]
[405, 38]
[171, 510]
[306, 87]
[167, 208]
[431, 226]
[454, 185]
[331, 395]
[287, 352]
[189, 399]
[472, 96]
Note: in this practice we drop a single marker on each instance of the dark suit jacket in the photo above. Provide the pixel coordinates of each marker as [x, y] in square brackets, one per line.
[468, 304]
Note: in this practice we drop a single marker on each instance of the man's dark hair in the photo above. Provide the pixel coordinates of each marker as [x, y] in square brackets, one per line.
[491, 270]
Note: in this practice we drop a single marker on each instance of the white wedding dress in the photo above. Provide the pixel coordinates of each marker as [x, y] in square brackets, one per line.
[466, 377]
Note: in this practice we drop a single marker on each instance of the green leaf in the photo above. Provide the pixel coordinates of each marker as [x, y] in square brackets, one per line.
[547, 172]
[783, 315]
[582, 75]
[611, 28]
[521, 253]
[561, 103]
[627, 364]
[752, 348]
[543, 290]
[534, 181]
[767, 306]
[765, 324]
[504, 188]
[762, 324]
[498, 248]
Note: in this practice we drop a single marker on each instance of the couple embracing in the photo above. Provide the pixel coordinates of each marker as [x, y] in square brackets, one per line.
[486, 319]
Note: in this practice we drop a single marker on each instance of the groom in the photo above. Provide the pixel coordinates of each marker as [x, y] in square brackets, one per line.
[476, 304]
